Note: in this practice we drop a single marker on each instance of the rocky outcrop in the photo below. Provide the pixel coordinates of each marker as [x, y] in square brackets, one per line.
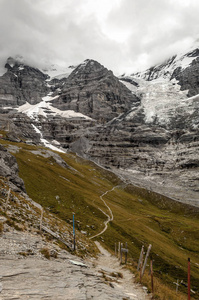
[18, 127]
[94, 91]
[9, 169]
[21, 84]
[189, 78]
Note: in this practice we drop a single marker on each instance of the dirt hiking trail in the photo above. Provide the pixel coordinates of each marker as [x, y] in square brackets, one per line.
[118, 277]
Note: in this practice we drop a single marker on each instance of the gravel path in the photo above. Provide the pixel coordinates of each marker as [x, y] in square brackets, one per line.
[65, 277]
[110, 265]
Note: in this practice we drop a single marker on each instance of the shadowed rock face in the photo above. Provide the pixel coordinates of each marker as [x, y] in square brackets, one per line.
[94, 91]
[9, 169]
[21, 84]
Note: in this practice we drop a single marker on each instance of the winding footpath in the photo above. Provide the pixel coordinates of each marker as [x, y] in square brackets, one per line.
[109, 217]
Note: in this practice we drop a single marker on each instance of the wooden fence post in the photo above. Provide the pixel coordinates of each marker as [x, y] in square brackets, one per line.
[119, 250]
[121, 253]
[74, 242]
[8, 197]
[151, 268]
[141, 266]
[41, 219]
[177, 285]
[116, 249]
[140, 258]
[145, 261]
[189, 281]
[126, 251]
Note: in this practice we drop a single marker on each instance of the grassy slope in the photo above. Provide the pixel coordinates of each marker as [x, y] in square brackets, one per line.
[140, 217]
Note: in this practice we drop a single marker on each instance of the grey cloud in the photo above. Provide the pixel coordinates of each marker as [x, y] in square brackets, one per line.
[158, 28]
[40, 36]
[42, 33]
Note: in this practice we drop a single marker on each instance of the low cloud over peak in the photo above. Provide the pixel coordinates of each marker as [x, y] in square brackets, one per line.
[123, 35]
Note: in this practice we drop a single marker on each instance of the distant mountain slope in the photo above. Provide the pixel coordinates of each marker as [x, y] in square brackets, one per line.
[167, 92]
[183, 67]
[94, 91]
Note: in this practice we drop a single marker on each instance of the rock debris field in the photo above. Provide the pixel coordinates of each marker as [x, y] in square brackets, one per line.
[26, 274]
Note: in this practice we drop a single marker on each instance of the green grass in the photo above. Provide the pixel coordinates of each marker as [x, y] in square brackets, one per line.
[140, 217]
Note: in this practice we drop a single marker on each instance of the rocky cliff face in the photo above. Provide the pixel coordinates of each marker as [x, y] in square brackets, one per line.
[21, 84]
[162, 160]
[188, 79]
[94, 91]
[9, 169]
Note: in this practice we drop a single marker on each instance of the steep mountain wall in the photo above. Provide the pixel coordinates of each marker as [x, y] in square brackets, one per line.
[21, 84]
[94, 91]
[188, 78]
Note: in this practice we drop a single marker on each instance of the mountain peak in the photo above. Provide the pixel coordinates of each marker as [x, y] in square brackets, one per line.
[90, 62]
[87, 68]
[17, 61]
[173, 67]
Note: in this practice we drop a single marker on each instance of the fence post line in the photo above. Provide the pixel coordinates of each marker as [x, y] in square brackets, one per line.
[8, 197]
[145, 261]
[189, 281]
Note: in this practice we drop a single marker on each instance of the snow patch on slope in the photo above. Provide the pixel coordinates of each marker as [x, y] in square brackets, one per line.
[45, 142]
[45, 109]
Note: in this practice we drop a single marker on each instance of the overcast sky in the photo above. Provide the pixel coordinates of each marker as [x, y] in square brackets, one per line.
[123, 35]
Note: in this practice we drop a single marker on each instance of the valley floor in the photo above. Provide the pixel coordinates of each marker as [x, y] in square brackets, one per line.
[26, 274]
[177, 186]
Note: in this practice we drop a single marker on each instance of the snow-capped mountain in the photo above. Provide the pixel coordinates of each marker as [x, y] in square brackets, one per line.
[169, 92]
[168, 69]
[144, 126]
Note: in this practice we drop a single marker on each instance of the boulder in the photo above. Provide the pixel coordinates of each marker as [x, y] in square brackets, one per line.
[9, 169]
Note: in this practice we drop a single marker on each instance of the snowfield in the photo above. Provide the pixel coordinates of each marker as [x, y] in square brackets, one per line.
[162, 101]
[45, 109]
